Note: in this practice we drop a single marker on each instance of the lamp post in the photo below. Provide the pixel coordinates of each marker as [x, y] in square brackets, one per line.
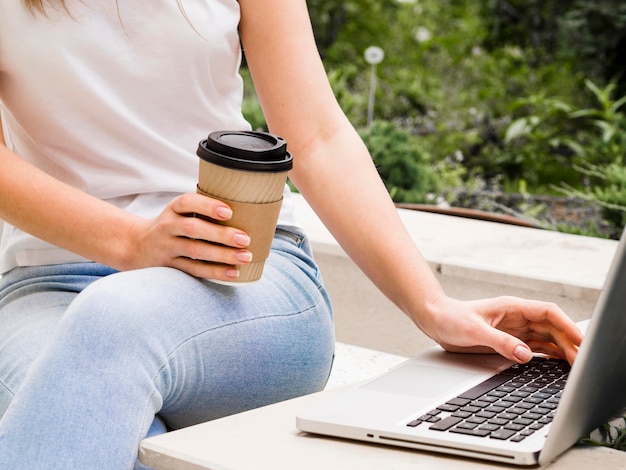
[373, 55]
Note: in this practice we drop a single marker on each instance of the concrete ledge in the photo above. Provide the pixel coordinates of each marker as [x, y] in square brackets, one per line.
[472, 259]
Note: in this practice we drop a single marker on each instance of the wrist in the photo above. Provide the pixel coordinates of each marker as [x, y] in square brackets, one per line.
[127, 246]
[428, 314]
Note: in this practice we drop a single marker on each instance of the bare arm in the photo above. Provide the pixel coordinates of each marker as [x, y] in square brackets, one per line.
[332, 167]
[64, 216]
[335, 173]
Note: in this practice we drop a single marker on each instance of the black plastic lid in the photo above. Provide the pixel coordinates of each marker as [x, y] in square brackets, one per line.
[246, 150]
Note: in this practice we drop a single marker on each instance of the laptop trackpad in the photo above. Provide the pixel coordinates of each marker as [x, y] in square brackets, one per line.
[420, 380]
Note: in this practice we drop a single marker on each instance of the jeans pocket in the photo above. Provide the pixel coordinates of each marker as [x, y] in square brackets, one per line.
[291, 234]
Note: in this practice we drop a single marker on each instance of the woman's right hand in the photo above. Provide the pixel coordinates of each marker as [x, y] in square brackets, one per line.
[94, 229]
[179, 239]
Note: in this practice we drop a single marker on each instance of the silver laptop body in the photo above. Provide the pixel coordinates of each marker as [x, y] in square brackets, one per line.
[379, 410]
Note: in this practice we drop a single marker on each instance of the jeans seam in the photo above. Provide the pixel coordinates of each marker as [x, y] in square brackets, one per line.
[248, 320]
[187, 340]
[7, 388]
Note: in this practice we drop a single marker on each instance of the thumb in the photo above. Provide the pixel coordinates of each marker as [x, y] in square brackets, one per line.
[509, 346]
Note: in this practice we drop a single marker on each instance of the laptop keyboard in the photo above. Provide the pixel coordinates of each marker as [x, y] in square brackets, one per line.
[512, 405]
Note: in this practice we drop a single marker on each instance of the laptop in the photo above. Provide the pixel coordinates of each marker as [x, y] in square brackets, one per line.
[486, 407]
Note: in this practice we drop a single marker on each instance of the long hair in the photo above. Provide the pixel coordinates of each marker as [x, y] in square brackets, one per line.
[39, 6]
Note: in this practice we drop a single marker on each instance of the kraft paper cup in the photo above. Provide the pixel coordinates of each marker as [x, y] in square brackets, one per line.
[247, 170]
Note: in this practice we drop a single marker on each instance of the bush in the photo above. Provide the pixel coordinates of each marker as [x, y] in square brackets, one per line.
[405, 170]
[552, 137]
[608, 189]
[251, 107]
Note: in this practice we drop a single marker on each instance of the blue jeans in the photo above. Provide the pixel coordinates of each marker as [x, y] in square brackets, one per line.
[93, 360]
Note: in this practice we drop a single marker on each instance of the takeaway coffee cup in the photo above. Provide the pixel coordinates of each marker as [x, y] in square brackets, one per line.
[247, 170]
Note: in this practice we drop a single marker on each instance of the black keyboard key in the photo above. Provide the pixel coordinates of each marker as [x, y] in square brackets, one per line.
[523, 421]
[542, 382]
[512, 399]
[503, 404]
[540, 410]
[550, 406]
[485, 387]
[502, 434]
[446, 423]
[480, 403]
[495, 409]
[534, 400]
[471, 409]
[489, 427]
[542, 396]
[467, 425]
[498, 421]
[471, 432]
[448, 407]
[526, 406]
[476, 420]
[458, 401]
[488, 398]
[520, 380]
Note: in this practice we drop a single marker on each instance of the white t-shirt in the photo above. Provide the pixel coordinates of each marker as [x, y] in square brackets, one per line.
[114, 99]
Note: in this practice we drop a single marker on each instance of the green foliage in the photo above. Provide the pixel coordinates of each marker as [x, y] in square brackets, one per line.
[589, 33]
[612, 435]
[608, 189]
[522, 95]
[342, 81]
[542, 145]
[405, 170]
[608, 119]
[254, 114]
[587, 144]
[251, 107]
[334, 20]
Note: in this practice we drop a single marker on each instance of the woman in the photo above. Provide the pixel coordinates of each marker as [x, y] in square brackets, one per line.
[108, 329]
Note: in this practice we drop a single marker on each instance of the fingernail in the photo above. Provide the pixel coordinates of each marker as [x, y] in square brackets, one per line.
[233, 273]
[244, 256]
[241, 239]
[224, 212]
[522, 354]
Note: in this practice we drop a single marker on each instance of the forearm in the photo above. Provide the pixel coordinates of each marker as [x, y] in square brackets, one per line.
[59, 214]
[367, 226]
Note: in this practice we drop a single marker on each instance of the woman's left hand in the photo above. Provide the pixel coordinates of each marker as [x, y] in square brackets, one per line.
[510, 326]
